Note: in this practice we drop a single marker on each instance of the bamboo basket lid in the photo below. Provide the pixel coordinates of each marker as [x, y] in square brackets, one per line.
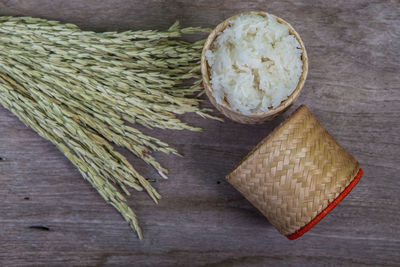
[297, 174]
[225, 108]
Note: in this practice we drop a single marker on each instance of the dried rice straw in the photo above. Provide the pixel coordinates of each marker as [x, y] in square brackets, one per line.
[77, 88]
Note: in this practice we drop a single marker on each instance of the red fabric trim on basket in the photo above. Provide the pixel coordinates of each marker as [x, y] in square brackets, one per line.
[330, 207]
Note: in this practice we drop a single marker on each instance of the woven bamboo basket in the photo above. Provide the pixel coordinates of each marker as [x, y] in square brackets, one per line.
[296, 175]
[225, 108]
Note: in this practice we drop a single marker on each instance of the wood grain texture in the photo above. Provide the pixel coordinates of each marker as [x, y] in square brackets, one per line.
[353, 89]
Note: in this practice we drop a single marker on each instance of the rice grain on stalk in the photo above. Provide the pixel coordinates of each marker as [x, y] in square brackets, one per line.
[78, 89]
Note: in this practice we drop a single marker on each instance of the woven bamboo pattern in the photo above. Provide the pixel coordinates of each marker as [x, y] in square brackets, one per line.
[295, 172]
[254, 118]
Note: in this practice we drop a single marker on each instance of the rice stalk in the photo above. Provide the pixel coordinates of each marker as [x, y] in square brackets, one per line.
[78, 89]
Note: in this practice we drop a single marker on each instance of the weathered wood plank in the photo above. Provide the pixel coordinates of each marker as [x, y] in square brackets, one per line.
[353, 88]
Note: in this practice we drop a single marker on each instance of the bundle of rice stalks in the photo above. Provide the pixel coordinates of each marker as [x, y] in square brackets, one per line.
[79, 88]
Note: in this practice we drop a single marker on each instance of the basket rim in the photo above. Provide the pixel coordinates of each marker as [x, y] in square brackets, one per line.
[329, 208]
[206, 73]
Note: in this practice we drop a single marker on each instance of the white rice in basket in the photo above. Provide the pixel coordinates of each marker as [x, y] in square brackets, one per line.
[255, 64]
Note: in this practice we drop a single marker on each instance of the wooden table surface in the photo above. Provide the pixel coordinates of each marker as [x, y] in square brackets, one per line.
[353, 88]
